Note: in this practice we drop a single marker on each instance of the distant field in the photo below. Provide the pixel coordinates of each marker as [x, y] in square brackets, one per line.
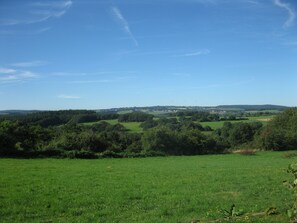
[216, 125]
[135, 126]
[131, 126]
[271, 111]
[148, 190]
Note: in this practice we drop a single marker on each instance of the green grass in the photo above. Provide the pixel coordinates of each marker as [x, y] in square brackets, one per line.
[147, 190]
[124, 112]
[133, 127]
[271, 111]
[219, 124]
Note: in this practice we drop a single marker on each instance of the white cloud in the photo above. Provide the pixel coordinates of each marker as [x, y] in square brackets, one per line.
[195, 53]
[37, 12]
[8, 78]
[64, 96]
[123, 22]
[35, 63]
[13, 76]
[290, 10]
[53, 4]
[7, 71]
[27, 74]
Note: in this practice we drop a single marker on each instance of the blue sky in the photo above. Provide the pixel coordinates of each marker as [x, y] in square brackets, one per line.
[90, 54]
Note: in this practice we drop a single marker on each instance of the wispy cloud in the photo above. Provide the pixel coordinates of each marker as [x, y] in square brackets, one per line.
[68, 74]
[6, 71]
[37, 12]
[53, 4]
[35, 63]
[170, 53]
[193, 54]
[124, 24]
[64, 96]
[289, 9]
[42, 30]
[8, 75]
[98, 81]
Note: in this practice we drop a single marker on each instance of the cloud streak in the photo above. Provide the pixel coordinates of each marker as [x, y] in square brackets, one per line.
[124, 24]
[6, 71]
[8, 75]
[35, 63]
[39, 12]
[289, 9]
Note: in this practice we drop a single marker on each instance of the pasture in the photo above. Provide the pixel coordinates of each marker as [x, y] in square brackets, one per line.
[219, 124]
[133, 127]
[162, 189]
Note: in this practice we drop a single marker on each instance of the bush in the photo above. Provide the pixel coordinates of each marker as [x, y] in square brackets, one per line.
[135, 117]
[83, 154]
[281, 132]
[110, 154]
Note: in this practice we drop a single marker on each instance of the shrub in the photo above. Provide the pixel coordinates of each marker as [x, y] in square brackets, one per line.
[281, 132]
[110, 154]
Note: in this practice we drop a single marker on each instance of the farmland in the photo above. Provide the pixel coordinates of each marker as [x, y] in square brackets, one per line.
[164, 189]
[219, 124]
[134, 127]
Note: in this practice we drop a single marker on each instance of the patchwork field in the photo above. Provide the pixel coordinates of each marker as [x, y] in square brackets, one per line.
[216, 125]
[165, 189]
[134, 127]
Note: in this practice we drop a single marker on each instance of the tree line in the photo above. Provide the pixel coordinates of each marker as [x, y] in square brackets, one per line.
[28, 136]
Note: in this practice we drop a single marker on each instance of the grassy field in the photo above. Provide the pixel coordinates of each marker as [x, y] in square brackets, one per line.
[147, 190]
[133, 127]
[216, 125]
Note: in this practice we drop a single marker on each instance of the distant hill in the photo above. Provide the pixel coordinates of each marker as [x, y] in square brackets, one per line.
[169, 109]
[17, 112]
[254, 107]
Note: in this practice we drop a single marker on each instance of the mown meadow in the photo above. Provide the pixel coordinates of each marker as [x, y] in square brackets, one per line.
[159, 189]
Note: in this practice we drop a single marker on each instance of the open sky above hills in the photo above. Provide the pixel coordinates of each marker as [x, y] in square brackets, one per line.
[64, 54]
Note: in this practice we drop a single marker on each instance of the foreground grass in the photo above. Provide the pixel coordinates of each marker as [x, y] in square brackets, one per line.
[165, 189]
